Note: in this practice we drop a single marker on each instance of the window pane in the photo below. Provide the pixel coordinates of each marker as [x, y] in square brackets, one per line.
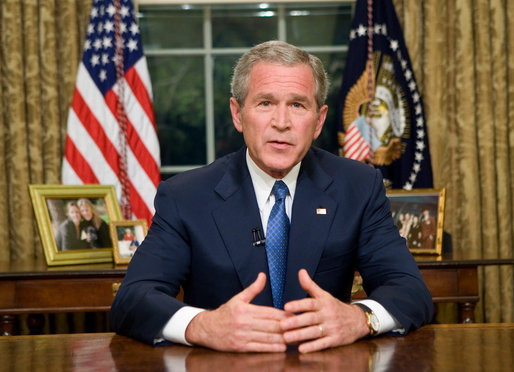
[179, 103]
[171, 27]
[334, 64]
[318, 24]
[243, 26]
[227, 138]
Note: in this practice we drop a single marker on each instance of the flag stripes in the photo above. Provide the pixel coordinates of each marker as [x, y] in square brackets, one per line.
[92, 153]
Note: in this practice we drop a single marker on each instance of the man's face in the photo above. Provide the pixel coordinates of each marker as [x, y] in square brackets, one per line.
[279, 119]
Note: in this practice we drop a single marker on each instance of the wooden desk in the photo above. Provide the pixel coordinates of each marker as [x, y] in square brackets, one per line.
[33, 287]
[470, 347]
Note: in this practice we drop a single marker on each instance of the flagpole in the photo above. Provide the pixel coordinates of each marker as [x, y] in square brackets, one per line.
[369, 66]
[122, 116]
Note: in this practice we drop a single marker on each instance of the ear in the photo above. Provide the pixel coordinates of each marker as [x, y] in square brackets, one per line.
[321, 120]
[236, 111]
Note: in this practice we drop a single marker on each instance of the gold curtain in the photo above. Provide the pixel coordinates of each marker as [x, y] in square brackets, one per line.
[463, 57]
[40, 48]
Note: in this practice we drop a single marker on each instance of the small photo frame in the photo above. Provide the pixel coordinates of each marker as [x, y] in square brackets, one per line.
[419, 216]
[127, 235]
[73, 222]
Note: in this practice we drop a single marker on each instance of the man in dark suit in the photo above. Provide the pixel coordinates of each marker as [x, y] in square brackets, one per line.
[207, 229]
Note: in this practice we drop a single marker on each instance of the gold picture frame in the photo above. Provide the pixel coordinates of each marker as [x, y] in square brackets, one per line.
[419, 215]
[127, 235]
[68, 238]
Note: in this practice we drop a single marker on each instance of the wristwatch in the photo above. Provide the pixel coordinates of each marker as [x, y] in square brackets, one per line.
[372, 319]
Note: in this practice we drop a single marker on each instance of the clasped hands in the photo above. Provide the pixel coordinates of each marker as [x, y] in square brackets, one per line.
[315, 323]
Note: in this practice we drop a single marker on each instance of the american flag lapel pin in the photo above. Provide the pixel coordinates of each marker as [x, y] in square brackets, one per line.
[321, 211]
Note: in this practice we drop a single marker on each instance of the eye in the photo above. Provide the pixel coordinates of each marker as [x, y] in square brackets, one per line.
[265, 103]
[297, 105]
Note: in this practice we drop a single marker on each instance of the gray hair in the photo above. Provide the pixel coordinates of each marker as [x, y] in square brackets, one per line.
[281, 53]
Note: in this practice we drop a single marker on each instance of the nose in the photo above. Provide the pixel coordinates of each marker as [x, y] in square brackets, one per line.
[281, 117]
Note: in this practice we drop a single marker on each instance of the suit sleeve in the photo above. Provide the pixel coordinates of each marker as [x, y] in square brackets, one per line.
[390, 273]
[146, 299]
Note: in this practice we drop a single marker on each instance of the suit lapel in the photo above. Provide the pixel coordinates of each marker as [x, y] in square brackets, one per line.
[312, 216]
[235, 219]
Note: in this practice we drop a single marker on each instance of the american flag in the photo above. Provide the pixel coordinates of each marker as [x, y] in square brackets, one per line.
[111, 135]
[354, 145]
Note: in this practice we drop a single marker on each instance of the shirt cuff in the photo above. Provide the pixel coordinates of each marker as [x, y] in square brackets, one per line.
[175, 329]
[386, 321]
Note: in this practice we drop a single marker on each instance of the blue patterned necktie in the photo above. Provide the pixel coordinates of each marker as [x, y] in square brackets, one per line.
[277, 240]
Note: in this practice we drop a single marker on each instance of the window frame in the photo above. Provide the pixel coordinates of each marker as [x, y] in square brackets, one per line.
[209, 52]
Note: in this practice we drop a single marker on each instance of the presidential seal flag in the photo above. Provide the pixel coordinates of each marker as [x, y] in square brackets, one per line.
[111, 132]
[382, 118]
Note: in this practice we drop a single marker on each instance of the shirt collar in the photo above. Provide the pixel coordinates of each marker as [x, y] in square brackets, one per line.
[263, 182]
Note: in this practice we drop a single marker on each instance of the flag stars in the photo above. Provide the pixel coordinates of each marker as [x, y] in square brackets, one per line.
[94, 12]
[361, 31]
[90, 28]
[87, 45]
[111, 10]
[97, 44]
[102, 75]
[115, 58]
[416, 97]
[95, 60]
[107, 42]
[420, 145]
[124, 11]
[109, 26]
[420, 133]
[134, 29]
[394, 45]
[408, 75]
[132, 45]
[377, 29]
[105, 59]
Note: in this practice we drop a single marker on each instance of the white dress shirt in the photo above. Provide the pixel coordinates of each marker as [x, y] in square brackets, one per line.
[263, 183]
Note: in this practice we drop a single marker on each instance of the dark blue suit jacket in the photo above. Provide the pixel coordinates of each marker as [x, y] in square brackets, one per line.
[201, 239]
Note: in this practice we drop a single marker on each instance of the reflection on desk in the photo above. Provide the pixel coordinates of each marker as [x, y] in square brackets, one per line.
[455, 347]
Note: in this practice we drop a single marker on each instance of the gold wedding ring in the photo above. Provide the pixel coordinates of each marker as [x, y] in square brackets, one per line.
[320, 330]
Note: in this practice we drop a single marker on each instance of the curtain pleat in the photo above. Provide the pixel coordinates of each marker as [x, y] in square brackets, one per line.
[462, 54]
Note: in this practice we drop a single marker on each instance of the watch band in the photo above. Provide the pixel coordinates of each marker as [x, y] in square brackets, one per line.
[371, 318]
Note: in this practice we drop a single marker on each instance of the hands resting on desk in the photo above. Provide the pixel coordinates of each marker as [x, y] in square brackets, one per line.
[314, 323]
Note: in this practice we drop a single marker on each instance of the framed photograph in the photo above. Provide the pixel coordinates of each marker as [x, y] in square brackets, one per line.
[419, 215]
[73, 222]
[127, 235]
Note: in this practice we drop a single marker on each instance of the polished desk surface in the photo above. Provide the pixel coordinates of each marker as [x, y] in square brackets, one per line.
[470, 347]
[38, 267]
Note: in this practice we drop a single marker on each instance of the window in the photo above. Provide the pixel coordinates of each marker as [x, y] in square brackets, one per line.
[191, 50]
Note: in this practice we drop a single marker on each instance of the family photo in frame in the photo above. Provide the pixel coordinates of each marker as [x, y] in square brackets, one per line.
[419, 216]
[73, 222]
[127, 236]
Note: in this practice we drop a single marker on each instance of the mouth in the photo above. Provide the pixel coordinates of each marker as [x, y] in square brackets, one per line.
[280, 144]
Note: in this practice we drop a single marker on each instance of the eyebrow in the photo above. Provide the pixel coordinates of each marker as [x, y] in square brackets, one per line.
[270, 96]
